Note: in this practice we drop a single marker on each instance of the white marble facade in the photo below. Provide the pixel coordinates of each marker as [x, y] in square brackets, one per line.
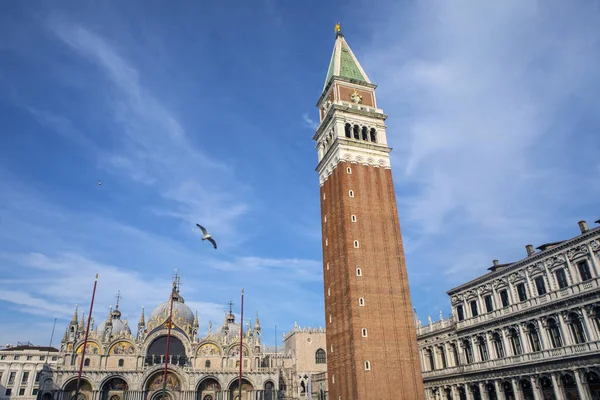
[526, 330]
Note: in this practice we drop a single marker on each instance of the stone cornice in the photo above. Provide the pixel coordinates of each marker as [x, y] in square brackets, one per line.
[521, 263]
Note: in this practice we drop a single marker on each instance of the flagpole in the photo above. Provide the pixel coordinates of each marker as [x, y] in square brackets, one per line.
[168, 343]
[87, 332]
[241, 341]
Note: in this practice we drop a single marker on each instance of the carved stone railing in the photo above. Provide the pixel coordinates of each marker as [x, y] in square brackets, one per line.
[515, 361]
[436, 326]
[545, 299]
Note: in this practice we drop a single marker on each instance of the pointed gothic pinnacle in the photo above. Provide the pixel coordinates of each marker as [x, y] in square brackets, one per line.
[196, 324]
[142, 319]
[82, 323]
[74, 320]
[257, 324]
[109, 319]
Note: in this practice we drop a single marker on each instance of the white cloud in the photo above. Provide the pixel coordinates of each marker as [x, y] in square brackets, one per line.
[486, 102]
[154, 148]
[309, 122]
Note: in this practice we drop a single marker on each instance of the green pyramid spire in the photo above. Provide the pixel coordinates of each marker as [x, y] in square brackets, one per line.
[343, 63]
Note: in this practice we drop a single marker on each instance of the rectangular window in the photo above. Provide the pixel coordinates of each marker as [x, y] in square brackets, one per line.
[42, 358]
[37, 376]
[11, 378]
[460, 312]
[54, 358]
[584, 270]
[522, 292]
[489, 305]
[25, 377]
[8, 392]
[22, 392]
[561, 278]
[34, 392]
[3, 357]
[504, 298]
[29, 358]
[540, 285]
[474, 308]
[17, 357]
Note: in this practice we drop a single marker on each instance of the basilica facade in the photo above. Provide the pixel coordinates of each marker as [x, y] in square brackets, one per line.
[123, 365]
[526, 330]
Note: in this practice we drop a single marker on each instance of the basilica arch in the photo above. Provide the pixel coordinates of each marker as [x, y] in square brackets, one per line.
[114, 388]
[154, 385]
[247, 387]
[85, 389]
[155, 351]
[208, 388]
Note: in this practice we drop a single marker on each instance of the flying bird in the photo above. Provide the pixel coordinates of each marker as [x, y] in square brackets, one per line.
[99, 183]
[207, 236]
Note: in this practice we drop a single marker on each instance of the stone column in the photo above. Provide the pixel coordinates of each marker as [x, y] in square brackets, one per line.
[537, 388]
[572, 271]
[483, 392]
[518, 391]
[455, 395]
[541, 331]
[595, 261]
[499, 390]
[530, 285]
[582, 385]
[524, 339]
[468, 393]
[588, 327]
[558, 387]
[566, 333]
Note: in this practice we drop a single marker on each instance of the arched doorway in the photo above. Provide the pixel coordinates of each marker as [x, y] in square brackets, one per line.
[269, 391]
[570, 385]
[156, 352]
[85, 390]
[593, 380]
[234, 393]
[507, 387]
[527, 389]
[491, 389]
[547, 388]
[154, 386]
[208, 389]
[476, 392]
[114, 389]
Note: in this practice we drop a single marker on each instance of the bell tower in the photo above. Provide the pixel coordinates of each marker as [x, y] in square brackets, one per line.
[371, 338]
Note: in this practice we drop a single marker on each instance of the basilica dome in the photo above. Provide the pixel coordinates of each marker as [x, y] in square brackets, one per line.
[182, 314]
[118, 326]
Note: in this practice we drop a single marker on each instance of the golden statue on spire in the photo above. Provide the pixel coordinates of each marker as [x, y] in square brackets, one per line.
[338, 28]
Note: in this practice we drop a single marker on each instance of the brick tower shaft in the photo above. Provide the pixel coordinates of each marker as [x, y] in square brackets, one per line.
[371, 337]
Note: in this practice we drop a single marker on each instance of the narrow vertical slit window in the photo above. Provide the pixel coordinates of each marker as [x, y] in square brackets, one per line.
[358, 272]
[353, 218]
[350, 193]
[361, 302]
[356, 244]
[349, 170]
[367, 366]
[364, 332]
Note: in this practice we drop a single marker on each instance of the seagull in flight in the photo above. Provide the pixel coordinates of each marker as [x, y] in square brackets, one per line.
[99, 183]
[207, 236]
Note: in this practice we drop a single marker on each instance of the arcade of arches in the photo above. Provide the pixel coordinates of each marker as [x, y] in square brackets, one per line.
[580, 384]
[210, 388]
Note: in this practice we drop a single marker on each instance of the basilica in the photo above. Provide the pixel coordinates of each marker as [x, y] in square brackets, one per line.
[119, 364]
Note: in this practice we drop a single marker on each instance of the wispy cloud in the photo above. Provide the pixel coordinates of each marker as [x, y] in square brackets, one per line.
[309, 122]
[154, 148]
[485, 139]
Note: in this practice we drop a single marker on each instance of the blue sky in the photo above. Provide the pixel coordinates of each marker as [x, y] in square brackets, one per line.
[196, 112]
